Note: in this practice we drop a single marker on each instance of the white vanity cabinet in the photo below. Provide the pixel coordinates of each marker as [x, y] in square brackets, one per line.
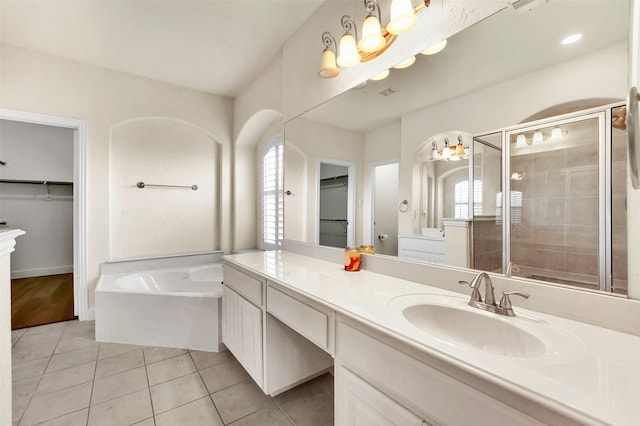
[378, 384]
[423, 249]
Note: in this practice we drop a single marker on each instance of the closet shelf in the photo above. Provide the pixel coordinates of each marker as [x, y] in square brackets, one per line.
[36, 182]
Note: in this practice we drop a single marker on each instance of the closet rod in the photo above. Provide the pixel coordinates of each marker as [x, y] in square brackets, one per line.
[36, 182]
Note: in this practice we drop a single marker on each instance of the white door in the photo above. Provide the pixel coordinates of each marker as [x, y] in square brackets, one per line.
[386, 180]
[633, 195]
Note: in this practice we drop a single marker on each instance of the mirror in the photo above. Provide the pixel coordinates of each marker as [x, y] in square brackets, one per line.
[499, 73]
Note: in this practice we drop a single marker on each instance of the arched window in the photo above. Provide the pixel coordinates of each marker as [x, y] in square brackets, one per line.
[272, 194]
[461, 198]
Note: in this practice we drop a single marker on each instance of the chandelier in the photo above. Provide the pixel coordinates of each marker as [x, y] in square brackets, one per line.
[373, 40]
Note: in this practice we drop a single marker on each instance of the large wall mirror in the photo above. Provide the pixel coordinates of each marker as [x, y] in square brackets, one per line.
[506, 125]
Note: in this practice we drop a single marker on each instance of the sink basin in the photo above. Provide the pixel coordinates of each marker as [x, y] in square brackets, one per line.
[451, 320]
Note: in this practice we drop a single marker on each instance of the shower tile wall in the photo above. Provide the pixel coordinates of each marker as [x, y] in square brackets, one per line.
[555, 236]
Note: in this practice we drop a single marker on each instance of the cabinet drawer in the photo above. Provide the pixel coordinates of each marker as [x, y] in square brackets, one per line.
[421, 244]
[306, 320]
[245, 285]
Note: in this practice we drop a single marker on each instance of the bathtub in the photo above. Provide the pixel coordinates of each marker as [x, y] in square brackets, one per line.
[177, 307]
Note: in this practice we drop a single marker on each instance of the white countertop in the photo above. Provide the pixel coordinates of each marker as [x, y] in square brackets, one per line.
[597, 382]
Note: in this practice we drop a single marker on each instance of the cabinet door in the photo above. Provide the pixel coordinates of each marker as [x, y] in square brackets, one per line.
[360, 404]
[230, 323]
[250, 319]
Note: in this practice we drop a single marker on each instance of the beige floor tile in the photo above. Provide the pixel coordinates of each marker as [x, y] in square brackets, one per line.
[26, 351]
[16, 334]
[75, 343]
[204, 360]
[119, 363]
[78, 418]
[72, 359]
[176, 392]
[241, 400]
[27, 369]
[33, 339]
[124, 410]
[223, 375]
[55, 328]
[112, 349]
[199, 412]
[21, 394]
[66, 378]
[79, 328]
[307, 404]
[55, 404]
[154, 354]
[325, 382]
[118, 385]
[168, 369]
[264, 417]
[146, 422]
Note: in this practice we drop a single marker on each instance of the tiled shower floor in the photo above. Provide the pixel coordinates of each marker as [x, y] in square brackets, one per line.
[62, 376]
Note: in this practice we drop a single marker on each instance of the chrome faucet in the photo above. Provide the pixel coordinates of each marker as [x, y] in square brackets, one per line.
[489, 303]
[511, 268]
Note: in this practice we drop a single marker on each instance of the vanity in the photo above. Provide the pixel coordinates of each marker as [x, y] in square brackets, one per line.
[413, 354]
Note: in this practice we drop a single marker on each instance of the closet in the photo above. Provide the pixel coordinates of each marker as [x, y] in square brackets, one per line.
[36, 195]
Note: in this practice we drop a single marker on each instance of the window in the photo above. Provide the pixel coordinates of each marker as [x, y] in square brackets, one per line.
[461, 199]
[272, 194]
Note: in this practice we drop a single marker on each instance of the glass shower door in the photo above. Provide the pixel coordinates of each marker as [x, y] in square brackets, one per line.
[557, 202]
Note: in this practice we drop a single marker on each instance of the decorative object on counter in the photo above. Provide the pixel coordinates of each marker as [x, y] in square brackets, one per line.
[367, 249]
[351, 259]
[374, 39]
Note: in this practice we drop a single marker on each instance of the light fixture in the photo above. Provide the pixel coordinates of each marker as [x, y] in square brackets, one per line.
[375, 39]
[517, 176]
[402, 17]
[434, 151]
[446, 150]
[460, 152]
[406, 63]
[348, 55]
[537, 137]
[573, 38]
[384, 74]
[556, 133]
[449, 152]
[436, 48]
[521, 141]
[372, 39]
[328, 67]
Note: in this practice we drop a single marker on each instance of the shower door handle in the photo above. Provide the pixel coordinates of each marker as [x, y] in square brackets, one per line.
[632, 136]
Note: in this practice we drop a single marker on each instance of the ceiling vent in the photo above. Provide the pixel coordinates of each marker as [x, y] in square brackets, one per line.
[522, 6]
[387, 92]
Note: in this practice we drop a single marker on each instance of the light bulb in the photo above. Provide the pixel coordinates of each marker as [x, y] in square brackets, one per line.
[537, 137]
[436, 48]
[406, 63]
[349, 55]
[573, 38]
[372, 39]
[556, 133]
[384, 74]
[328, 67]
[521, 141]
[446, 151]
[402, 17]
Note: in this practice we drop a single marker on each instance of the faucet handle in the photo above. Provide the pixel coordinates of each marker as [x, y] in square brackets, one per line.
[505, 302]
[475, 291]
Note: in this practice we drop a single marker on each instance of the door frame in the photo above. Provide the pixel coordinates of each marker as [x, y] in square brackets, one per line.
[351, 198]
[80, 285]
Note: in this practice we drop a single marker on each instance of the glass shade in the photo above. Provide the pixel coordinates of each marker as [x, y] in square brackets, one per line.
[556, 133]
[402, 17]
[328, 67]
[460, 149]
[446, 151]
[406, 63]
[521, 141]
[384, 74]
[372, 39]
[349, 55]
[537, 137]
[435, 48]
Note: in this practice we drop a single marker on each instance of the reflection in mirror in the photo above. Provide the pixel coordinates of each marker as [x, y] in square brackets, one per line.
[489, 78]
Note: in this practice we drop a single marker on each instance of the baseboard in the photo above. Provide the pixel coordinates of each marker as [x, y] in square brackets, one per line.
[41, 272]
[90, 315]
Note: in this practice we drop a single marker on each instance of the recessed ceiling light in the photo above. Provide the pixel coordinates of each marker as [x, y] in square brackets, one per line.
[573, 38]
[406, 63]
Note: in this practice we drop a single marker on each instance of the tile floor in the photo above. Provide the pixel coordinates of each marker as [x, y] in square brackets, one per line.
[62, 376]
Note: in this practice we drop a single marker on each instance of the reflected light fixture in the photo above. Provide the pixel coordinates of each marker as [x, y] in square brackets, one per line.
[537, 136]
[406, 63]
[402, 17]
[372, 39]
[436, 48]
[460, 152]
[384, 74]
[573, 38]
[556, 133]
[448, 152]
[328, 67]
[348, 54]
[434, 151]
[521, 141]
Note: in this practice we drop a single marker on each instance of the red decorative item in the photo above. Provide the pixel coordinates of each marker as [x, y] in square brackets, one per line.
[351, 259]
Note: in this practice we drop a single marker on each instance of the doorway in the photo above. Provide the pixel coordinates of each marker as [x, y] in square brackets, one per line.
[385, 193]
[336, 183]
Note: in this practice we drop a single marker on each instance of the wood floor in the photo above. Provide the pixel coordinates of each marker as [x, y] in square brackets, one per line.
[41, 300]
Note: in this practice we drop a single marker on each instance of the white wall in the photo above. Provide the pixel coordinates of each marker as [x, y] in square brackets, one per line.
[104, 99]
[45, 153]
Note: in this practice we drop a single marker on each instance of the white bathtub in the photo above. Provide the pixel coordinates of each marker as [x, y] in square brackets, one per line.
[175, 307]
